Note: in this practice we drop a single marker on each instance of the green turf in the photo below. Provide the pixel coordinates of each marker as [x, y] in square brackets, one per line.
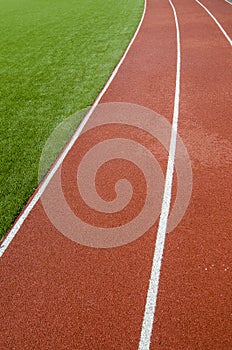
[55, 56]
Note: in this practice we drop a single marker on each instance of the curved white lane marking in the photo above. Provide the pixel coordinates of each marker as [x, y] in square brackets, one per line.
[148, 319]
[216, 21]
[228, 2]
[20, 220]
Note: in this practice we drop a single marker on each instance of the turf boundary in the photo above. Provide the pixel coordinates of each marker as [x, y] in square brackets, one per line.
[41, 188]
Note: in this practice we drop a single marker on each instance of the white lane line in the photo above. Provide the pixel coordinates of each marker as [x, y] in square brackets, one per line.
[149, 313]
[228, 2]
[216, 21]
[6, 242]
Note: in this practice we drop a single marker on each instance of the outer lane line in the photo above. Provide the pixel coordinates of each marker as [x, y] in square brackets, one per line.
[150, 308]
[216, 21]
[42, 187]
[228, 2]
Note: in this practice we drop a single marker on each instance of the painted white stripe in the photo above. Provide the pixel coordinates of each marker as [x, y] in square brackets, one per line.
[228, 2]
[149, 314]
[216, 21]
[64, 153]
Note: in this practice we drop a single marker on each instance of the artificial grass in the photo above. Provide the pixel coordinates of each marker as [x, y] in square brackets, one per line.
[55, 56]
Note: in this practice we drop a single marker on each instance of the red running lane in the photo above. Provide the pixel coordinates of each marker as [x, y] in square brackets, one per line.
[56, 294]
[194, 303]
[222, 11]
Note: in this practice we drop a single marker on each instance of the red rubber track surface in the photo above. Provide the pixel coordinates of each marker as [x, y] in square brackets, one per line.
[221, 10]
[56, 294]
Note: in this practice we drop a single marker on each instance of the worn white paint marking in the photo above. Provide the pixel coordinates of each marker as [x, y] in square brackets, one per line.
[70, 144]
[216, 21]
[228, 2]
[152, 293]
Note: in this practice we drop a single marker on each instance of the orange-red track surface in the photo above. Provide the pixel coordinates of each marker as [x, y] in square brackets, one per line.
[57, 294]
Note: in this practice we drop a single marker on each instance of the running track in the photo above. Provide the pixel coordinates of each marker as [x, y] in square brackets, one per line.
[57, 294]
